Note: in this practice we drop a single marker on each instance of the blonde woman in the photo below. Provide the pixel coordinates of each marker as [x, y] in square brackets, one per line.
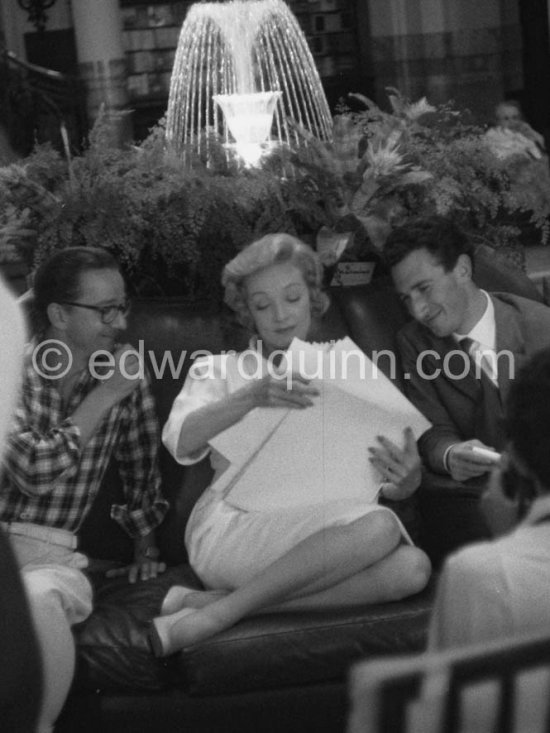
[335, 554]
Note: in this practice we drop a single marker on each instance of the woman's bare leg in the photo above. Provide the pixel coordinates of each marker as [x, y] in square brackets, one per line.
[315, 565]
[403, 573]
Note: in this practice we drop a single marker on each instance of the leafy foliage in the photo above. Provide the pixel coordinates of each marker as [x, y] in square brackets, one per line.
[418, 159]
[171, 227]
[173, 224]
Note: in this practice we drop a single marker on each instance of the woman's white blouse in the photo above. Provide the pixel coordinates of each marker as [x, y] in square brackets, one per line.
[210, 379]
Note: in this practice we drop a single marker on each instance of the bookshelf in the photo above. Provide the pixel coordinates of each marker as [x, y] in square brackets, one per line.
[150, 33]
[329, 28]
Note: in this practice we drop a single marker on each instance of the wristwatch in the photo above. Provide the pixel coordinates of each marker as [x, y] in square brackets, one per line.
[151, 553]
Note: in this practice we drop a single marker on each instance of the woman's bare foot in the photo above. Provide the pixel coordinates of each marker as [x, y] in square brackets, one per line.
[169, 634]
[179, 597]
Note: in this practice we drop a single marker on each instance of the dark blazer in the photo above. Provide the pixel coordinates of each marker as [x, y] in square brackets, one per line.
[465, 408]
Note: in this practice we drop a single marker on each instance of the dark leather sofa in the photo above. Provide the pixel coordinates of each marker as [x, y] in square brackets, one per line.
[278, 672]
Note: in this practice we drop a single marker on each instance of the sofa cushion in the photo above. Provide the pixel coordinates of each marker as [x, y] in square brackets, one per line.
[265, 652]
[113, 650]
[285, 649]
[492, 271]
[374, 314]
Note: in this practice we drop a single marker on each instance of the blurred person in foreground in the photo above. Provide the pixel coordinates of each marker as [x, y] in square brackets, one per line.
[499, 589]
[20, 670]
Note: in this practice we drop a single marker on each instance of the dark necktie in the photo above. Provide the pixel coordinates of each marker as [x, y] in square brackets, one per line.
[480, 359]
[489, 415]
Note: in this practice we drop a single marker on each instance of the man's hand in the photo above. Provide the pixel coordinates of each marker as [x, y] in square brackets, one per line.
[288, 391]
[139, 570]
[464, 463]
[126, 374]
[143, 569]
[146, 564]
[119, 376]
[401, 467]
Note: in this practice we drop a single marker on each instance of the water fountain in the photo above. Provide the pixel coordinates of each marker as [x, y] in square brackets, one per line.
[243, 67]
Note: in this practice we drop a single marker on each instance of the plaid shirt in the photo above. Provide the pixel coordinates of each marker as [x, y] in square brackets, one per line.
[51, 479]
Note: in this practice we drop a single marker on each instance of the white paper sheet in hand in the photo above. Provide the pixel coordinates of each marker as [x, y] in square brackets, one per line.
[241, 442]
[356, 374]
[312, 458]
[318, 454]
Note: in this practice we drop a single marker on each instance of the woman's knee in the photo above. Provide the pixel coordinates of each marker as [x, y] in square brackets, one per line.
[381, 527]
[416, 569]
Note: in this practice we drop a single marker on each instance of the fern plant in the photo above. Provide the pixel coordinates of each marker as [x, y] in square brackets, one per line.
[173, 226]
[417, 159]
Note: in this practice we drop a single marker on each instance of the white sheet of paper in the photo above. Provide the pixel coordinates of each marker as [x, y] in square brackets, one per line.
[305, 463]
[316, 455]
[241, 442]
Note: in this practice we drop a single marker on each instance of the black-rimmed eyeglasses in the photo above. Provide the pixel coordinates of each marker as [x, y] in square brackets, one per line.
[107, 313]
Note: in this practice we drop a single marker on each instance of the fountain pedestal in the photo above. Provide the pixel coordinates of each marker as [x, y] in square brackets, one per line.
[249, 118]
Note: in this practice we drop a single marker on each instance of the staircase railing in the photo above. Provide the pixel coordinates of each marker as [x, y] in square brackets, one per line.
[36, 104]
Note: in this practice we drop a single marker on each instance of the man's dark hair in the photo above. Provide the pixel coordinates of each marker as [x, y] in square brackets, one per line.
[440, 236]
[57, 279]
[528, 416]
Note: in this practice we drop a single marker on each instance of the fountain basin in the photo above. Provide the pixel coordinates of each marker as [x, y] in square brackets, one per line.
[249, 117]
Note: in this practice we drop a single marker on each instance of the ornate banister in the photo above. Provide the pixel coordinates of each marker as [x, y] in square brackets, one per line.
[36, 102]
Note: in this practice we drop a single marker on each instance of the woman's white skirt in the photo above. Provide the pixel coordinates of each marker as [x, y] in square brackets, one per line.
[228, 546]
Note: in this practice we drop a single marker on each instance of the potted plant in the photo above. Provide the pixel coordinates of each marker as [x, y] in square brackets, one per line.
[174, 223]
[385, 167]
[171, 225]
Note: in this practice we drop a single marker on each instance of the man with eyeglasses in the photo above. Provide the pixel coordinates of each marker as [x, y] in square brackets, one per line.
[85, 402]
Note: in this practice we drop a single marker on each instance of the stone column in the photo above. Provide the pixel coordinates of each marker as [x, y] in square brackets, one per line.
[102, 63]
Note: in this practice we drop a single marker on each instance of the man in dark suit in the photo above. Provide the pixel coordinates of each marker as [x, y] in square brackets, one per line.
[463, 348]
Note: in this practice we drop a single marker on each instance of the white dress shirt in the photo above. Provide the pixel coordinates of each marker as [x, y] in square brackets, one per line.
[484, 336]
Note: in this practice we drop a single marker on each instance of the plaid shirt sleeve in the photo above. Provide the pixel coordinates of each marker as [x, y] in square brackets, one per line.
[40, 451]
[137, 456]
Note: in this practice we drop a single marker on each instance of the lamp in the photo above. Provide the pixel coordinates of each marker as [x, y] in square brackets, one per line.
[36, 10]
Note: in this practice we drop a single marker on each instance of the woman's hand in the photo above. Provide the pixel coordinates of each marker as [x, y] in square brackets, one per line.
[401, 467]
[286, 391]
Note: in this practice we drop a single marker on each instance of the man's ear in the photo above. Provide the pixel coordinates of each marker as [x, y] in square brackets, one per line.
[463, 267]
[57, 315]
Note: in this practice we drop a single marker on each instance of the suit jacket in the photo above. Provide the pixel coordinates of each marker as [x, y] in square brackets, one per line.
[459, 406]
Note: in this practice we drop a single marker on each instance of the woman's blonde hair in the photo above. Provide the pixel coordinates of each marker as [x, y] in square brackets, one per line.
[270, 250]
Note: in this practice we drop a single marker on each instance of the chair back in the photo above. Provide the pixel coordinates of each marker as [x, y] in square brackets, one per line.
[498, 687]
